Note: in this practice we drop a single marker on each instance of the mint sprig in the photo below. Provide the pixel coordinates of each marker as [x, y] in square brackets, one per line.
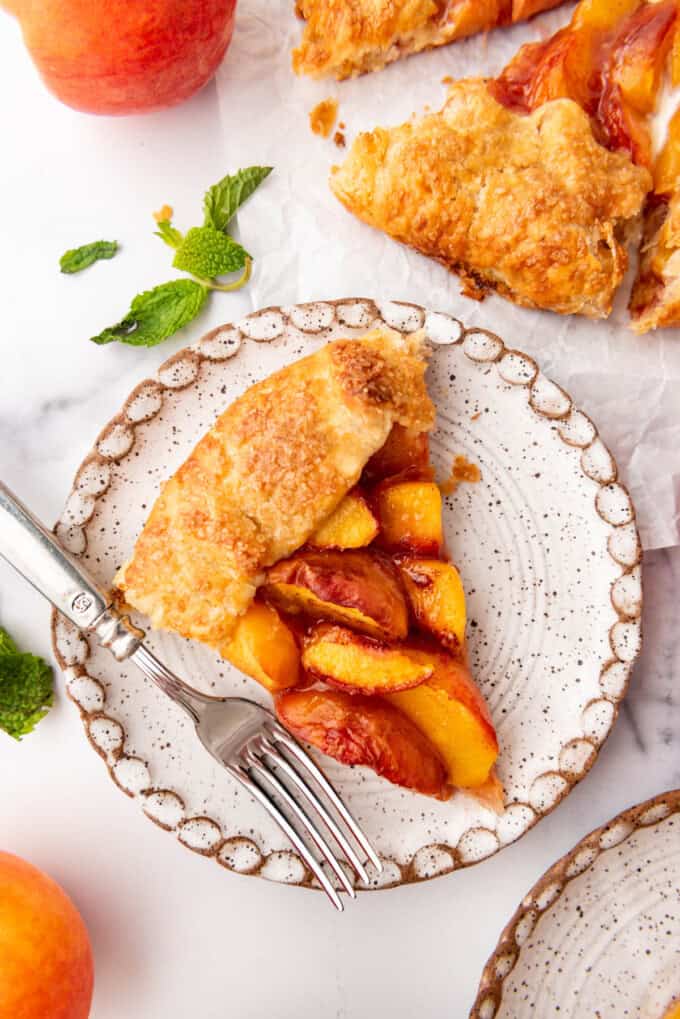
[25, 688]
[156, 314]
[206, 252]
[223, 199]
[77, 259]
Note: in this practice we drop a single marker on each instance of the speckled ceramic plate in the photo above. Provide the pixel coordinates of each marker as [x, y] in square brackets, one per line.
[546, 543]
[599, 935]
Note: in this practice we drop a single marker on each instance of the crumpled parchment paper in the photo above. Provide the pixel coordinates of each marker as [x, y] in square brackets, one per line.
[307, 247]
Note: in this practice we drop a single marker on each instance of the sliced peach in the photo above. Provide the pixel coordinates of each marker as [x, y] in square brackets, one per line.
[537, 74]
[263, 647]
[410, 516]
[491, 794]
[631, 77]
[405, 450]
[360, 664]
[351, 525]
[451, 712]
[601, 14]
[368, 731]
[667, 168]
[357, 588]
[639, 52]
[675, 58]
[435, 593]
[472, 16]
[609, 59]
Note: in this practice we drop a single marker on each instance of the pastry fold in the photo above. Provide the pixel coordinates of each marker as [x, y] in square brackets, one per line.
[266, 476]
[530, 205]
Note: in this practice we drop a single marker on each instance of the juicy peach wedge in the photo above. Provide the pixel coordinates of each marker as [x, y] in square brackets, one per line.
[609, 59]
[365, 730]
[491, 793]
[451, 712]
[437, 599]
[405, 450]
[351, 525]
[359, 589]
[410, 516]
[263, 647]
[601, 14]
[667, 166]
[675, 58]
[360, 664]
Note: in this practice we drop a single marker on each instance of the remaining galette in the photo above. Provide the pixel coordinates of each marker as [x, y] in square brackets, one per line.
[349, 37]
[303, 540]
[528, 184]
[530, 206]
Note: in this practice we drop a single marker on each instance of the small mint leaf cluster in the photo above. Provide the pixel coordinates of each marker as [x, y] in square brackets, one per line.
[206, 252]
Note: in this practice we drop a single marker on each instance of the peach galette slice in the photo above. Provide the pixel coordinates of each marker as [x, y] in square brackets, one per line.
[530, 184]
[344, 38]
[303, 539]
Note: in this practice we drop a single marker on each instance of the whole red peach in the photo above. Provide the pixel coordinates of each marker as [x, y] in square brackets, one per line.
[46, 969]
[125, 56]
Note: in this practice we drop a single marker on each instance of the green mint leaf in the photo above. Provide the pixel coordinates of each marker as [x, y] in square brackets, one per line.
[167, 232]
[223, 199]
[208, 253]
[156, 314]
[25, 688]
[7, 645]
[76, 259]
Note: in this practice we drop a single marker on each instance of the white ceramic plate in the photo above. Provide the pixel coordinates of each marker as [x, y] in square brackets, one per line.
[547, 547]
[599, 934]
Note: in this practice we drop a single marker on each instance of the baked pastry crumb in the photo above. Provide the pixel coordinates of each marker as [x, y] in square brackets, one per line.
[322, 117]
[462, 471]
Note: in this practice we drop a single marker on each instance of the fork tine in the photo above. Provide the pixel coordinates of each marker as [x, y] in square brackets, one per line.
[280, 735]
[256, 764]
[264, 800]
[320, 808]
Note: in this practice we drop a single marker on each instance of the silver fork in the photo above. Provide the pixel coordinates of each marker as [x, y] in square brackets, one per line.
[243, 736]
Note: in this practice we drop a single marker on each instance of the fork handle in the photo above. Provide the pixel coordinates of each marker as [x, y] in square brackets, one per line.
[36, 554]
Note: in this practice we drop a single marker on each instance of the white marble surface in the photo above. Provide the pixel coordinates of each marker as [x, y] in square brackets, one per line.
[174, 936]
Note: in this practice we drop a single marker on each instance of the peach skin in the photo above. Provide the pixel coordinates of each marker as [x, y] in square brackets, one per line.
[123, 56]
[46, 967]
[357, 588]
[368, 731]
